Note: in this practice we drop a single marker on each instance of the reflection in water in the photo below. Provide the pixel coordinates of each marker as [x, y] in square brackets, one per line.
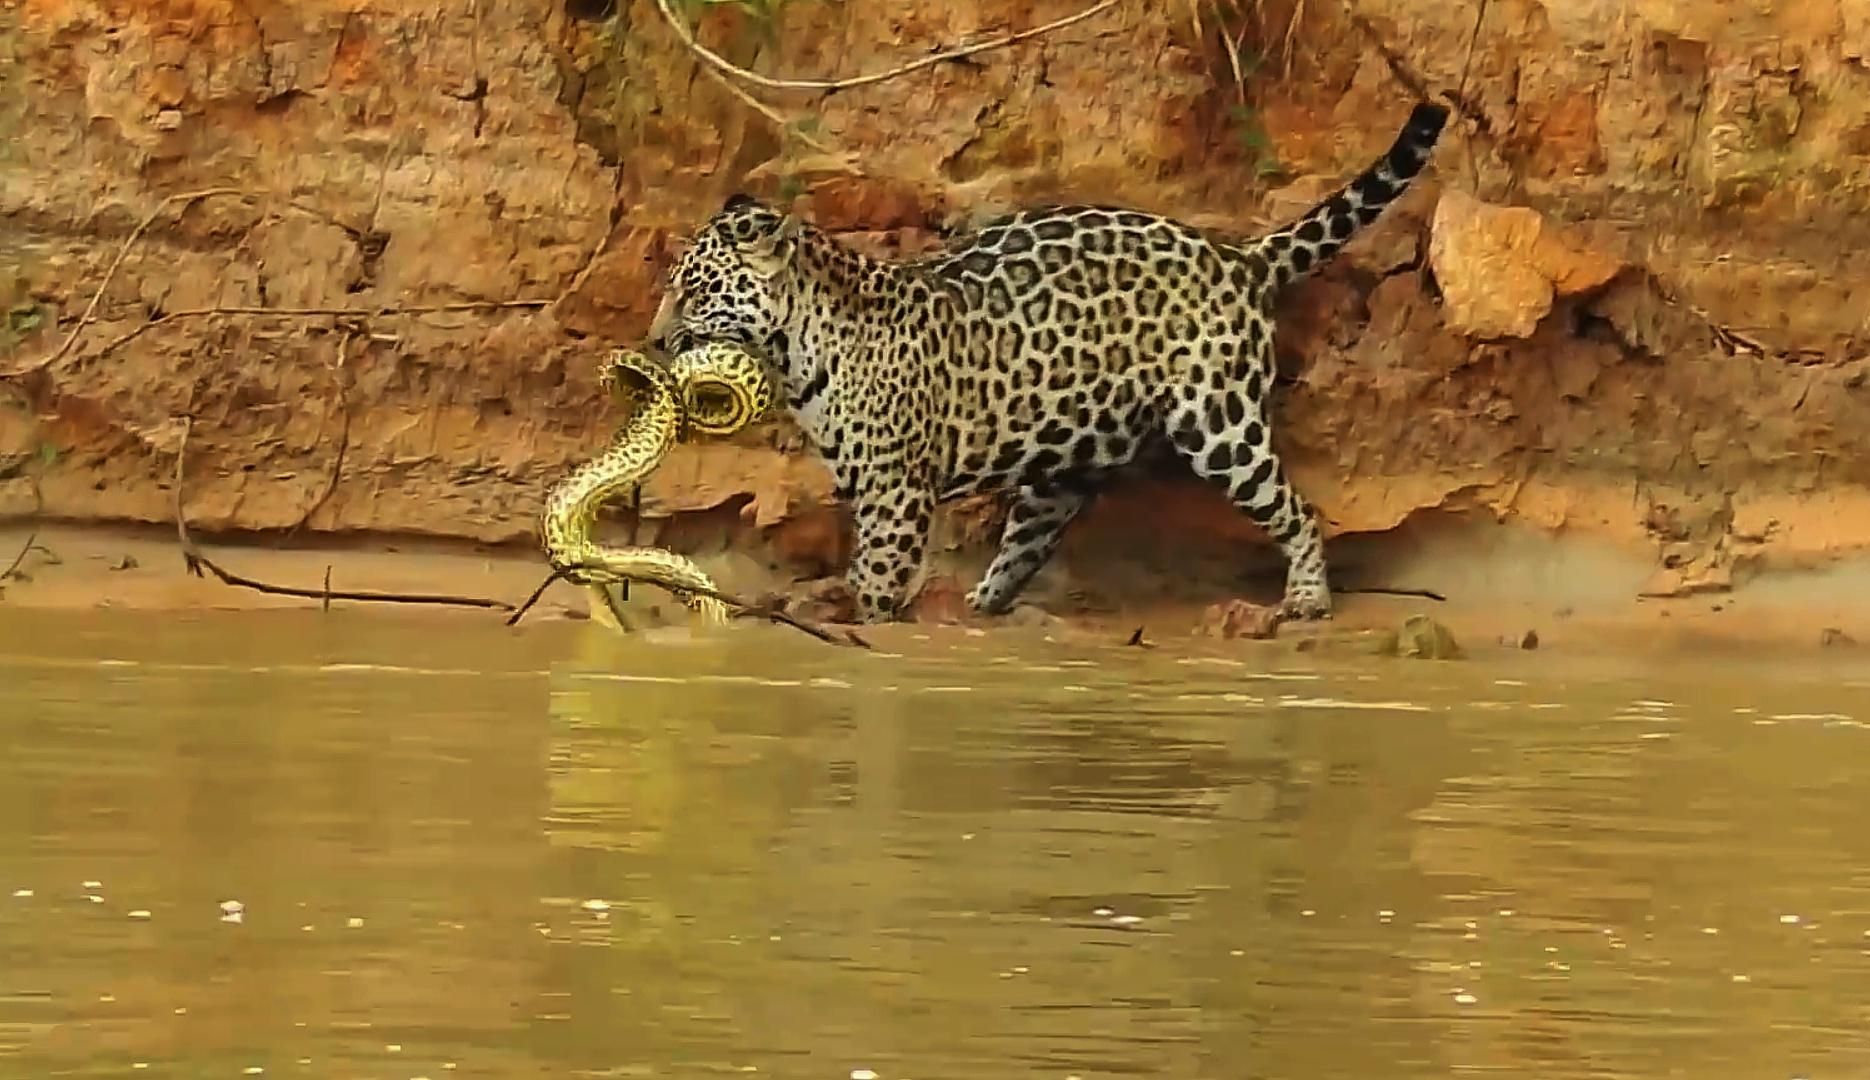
[558, 853]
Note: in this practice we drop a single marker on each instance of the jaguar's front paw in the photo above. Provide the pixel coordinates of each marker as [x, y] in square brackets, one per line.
[1311, 605]
[985, 599]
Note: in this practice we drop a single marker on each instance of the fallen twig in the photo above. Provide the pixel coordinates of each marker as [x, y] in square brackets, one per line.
[743, 609]
[787, 128]
[728, 67]
[1473, 164]
[1379, 590]
[186, 197]
[387, 311]
[1373, 590]
[32, 537]
[32, 541]
[518, 612]
[1414, 81]
[583, 273]
[197, 562]
[306, 313]
[771, 610]
[1473, 36]
[1292, 32]
[123, 252]
[338, 377]
[383, 176]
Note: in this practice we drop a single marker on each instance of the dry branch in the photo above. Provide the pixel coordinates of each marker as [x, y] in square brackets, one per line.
[787, 128]
[303, 313]
[123, 252]
[1414, 81]
[724, 71]
[743, 609]
[339, 376]
[197, 562]
[1460, 93]
[1473, 37]
[32, 536]
[187, 197]
[727, 67]
[583, 273]
[1292, 33]
[520, 611]
[1384, 590]
[32, 541]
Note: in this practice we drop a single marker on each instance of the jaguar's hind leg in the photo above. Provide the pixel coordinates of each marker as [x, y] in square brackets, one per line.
[1034, 525]
[1223, 436]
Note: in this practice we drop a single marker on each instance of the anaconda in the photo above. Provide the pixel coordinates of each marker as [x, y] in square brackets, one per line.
[715, 389]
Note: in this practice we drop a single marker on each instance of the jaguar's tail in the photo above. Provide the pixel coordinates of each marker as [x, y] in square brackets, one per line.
[1293, 251]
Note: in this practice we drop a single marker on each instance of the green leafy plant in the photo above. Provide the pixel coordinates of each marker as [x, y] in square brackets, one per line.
[1247, 63]
[22, 320]
[1251, 131]
[1212, 21]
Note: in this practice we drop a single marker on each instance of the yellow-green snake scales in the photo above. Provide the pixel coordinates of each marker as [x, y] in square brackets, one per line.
[715, 389]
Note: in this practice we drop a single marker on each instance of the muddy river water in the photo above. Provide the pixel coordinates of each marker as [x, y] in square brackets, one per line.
[368, 846]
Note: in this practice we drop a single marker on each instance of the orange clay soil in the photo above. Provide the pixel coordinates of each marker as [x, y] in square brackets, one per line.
[1574, 596]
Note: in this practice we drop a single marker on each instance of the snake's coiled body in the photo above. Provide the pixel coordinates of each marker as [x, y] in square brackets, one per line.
[715, 389]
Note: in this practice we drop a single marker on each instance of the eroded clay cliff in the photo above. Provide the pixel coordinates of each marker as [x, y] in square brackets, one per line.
[1630, 296]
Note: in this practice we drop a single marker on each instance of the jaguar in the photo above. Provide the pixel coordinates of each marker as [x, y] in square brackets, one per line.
[1032, 357]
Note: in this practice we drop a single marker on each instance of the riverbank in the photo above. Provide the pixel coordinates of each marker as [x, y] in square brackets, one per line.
[353, 278]
[1506, 587]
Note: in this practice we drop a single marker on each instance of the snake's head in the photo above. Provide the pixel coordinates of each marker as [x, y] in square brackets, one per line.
[622, 375]
[611, 368]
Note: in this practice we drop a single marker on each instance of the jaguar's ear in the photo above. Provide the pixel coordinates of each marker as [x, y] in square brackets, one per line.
[768, 247]
[739, 201]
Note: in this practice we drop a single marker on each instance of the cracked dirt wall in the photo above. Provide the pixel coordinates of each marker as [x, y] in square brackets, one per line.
[1631, 297]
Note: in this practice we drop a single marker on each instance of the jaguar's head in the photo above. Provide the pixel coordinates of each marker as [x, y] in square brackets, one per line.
[731, 284]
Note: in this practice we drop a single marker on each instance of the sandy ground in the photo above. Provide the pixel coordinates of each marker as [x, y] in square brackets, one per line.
[1500, 584]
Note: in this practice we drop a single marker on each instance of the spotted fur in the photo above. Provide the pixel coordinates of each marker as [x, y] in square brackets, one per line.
[1034, 357]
